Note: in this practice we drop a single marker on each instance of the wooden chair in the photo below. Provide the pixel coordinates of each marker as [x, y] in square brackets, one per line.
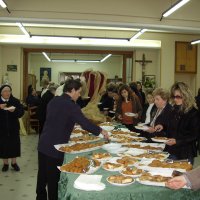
[32, 121]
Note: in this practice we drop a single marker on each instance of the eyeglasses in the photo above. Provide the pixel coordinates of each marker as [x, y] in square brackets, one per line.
[177, 97]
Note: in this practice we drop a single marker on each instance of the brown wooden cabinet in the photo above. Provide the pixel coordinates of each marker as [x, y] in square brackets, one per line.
[185, 57]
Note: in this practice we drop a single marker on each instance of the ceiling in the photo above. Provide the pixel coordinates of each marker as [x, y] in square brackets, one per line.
[95, 19]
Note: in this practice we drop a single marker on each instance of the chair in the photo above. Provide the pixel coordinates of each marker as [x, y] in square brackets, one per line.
[32, 121]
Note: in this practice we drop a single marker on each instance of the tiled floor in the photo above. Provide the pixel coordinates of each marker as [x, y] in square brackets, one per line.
[21, 185]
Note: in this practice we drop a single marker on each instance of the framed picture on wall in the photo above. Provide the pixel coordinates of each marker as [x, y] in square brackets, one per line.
[149, 81]
[45, 74]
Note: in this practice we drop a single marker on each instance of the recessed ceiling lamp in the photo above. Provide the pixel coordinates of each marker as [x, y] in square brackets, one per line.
[46, 56]
[195, 42]
[173, 8]
[23, 29]
[138, 34]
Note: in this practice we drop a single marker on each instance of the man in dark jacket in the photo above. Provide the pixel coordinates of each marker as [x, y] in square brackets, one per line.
[62, 114]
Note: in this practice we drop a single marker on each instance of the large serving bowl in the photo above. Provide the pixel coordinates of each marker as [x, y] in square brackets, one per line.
[107, 128]
[111, 147]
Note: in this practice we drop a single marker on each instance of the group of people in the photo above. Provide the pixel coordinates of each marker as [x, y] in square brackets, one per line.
[171, 114]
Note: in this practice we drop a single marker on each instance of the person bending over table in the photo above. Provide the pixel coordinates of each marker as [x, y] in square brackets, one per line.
[62, 114]
[190, 179]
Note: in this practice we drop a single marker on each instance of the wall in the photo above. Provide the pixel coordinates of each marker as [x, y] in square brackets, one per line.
[150, 68]
[112, 66]
[166, 61]
[11, 55]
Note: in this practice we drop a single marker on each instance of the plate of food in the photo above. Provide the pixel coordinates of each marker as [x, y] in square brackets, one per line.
[120, 180]
[101, 156]
[143, 128]
[10, 108]
[78, 147]
[160, 139]
[84, 138]
[155, 180]
[81, 165]
[130, 114]
[132, 171]
[112, 167]
[125, 160]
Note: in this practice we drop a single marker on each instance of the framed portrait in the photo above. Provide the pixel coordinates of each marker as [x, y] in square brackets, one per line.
[45, 74]
[150, 81]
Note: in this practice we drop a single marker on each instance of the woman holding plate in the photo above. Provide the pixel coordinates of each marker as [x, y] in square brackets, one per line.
[128, 109]
[183, 128]
[10, 111]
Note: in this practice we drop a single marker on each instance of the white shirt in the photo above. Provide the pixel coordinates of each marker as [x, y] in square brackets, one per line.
[148, 112]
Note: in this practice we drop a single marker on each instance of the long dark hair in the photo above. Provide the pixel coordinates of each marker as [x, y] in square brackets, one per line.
[128, 89]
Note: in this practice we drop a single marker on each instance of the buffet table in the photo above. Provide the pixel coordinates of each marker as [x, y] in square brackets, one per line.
[135, 191]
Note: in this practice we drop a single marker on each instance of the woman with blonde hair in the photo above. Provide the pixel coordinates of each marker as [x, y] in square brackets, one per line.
[183, 124]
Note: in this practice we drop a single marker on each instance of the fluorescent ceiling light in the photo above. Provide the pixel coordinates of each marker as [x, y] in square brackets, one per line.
[138, 34]
[46, 56]
[88, 61]
[23, 29]
[106, 57]
[174, 7]
[62, 60]
[2, 4]
[195, 42]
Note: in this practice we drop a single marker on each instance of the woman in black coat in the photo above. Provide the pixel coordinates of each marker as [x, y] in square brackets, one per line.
[183, 128]
[10, 111]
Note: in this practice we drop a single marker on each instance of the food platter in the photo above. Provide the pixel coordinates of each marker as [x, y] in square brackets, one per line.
[80, 165]
[160, 139]
[60, 147]
[130, 114]
[118, 180]
[133, 172]
[144, 128]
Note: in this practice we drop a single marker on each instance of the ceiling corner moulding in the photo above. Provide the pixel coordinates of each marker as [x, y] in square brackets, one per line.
[20, 25]
[173, 8]
[195, 42]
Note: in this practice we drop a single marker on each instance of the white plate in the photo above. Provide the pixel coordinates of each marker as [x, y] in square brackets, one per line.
[159, 140]
[57, 146]
[130, 114]
[120, 184]
[10, 108]
[144, 128]
[111, 111]
[151, 183]
[133, 176]
[90, 171]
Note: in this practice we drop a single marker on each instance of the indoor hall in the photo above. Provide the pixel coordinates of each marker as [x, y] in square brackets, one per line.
[130, 41]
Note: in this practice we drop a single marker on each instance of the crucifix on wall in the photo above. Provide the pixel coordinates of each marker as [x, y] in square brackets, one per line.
[143, 62]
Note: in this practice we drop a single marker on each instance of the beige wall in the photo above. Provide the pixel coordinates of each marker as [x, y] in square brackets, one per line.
[1, 67]
[112, 66]
[11, 55]
[165, 61]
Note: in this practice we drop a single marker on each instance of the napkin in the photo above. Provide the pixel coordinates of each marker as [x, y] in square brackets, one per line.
[89, 183]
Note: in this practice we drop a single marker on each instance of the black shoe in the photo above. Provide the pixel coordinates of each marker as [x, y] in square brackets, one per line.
[5, 168]
[15, 167]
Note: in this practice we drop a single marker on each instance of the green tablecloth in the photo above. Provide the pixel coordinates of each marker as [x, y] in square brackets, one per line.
[136, 191]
